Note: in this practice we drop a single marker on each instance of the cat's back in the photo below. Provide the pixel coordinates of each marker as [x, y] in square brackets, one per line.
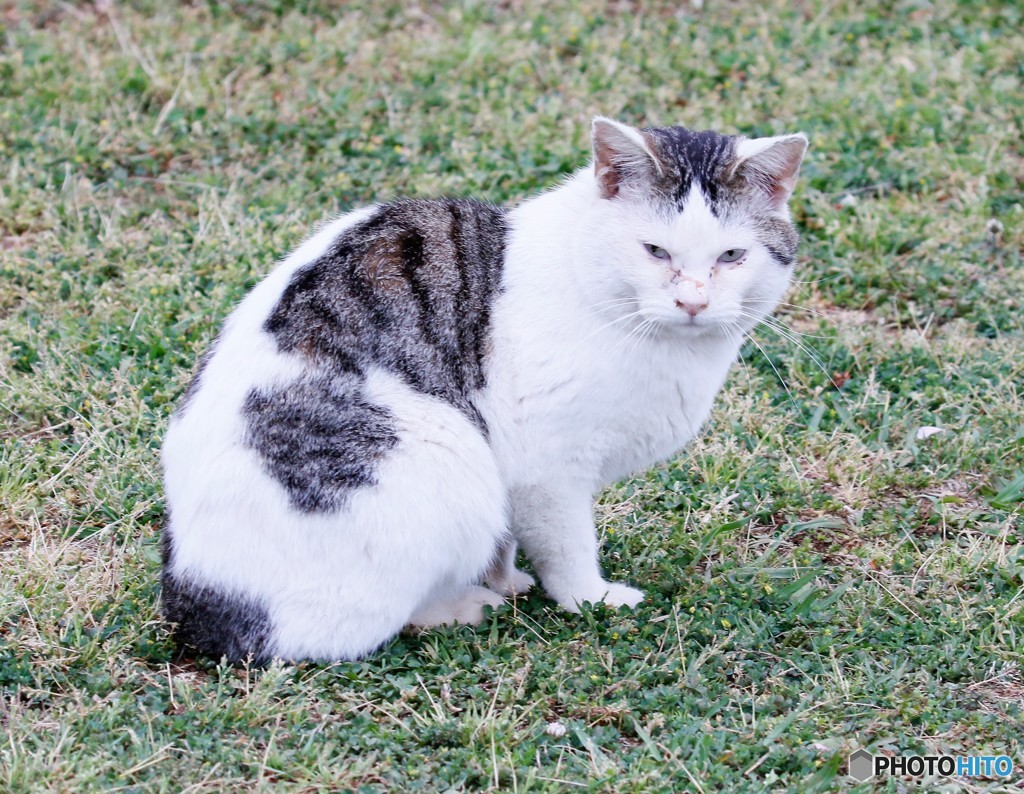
[409, 289]
[406, 286]
[402, 290]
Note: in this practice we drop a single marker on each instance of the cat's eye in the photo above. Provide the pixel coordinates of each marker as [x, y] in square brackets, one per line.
[732, 255]
[657, 251]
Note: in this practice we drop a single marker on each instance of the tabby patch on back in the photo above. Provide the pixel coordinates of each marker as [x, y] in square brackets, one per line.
[425, 386]
[408, 290]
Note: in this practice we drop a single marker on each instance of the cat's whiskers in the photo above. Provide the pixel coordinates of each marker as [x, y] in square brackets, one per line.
[610, 324]
[635, 337]
[784, 331]
[610, 303]
[771, 364]
[624, 340]
[808, 310]
[812, 281]
[735, 334]
[774, 321]
[647, 331]
[793, 337]
[767, 306]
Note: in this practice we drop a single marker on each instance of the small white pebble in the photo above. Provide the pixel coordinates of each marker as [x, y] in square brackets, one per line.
[994, 232]
[556, 729]
[849, 200]
[927, 432]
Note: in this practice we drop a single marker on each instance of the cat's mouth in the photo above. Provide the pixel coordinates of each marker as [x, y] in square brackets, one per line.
[680, 324]
[693, 325]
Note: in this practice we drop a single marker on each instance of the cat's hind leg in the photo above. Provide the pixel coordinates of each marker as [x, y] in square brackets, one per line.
[467, 605]
[429, 524]
[311, 540]
[462, 606]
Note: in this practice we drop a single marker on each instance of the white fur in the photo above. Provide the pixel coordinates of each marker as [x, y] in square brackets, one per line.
[594, 373]
[582, 393]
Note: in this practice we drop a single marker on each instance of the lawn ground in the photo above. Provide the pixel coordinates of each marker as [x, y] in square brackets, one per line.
[820, 575]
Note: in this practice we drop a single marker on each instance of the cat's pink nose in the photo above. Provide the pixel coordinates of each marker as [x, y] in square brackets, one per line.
[693, 306]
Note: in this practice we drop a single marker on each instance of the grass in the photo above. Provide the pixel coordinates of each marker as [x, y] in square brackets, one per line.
[819, 577]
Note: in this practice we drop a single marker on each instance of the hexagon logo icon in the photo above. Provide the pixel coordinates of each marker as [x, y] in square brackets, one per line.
[861, 765]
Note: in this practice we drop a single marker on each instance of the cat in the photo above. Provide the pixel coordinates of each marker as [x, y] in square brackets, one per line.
[424, 386]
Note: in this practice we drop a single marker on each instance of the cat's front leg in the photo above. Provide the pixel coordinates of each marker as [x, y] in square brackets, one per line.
[556, 530]
[503, 577]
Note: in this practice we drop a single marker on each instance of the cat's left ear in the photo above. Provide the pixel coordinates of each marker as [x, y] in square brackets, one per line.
[621, 157]
[771, 165]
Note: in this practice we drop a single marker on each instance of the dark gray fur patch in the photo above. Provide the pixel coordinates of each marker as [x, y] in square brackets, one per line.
[707, 160]
[408, 290]
[688, 158]
[319, 437]
[779, 237]
[210, 621]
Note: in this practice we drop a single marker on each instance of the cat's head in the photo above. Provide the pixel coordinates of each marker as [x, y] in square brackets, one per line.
[695, 225]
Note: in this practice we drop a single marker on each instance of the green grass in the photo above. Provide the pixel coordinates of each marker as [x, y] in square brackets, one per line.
[818, 578]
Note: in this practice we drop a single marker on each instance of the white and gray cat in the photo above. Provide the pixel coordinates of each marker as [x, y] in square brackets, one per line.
[426, 385]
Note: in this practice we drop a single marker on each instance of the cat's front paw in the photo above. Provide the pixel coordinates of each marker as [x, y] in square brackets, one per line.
[621, 595]
[610, 594]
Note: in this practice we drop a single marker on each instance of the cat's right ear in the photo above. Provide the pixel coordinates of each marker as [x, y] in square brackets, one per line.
[621, 157]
